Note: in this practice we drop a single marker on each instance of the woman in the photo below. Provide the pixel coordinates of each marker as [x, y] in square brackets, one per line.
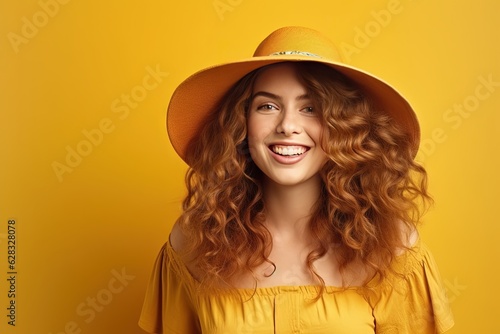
[303, 202]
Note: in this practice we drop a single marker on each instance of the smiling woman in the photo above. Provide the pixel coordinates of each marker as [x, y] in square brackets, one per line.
[303, 202]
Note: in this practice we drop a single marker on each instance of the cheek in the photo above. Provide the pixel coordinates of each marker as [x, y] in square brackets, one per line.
[250, 132]
[317, 132]
[256, 130]
[252, 136]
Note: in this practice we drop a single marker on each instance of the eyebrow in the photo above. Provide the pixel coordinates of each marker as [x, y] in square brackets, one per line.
[277, 97]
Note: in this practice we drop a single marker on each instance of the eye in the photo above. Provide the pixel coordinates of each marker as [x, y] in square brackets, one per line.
[308, 110]
[267, 106]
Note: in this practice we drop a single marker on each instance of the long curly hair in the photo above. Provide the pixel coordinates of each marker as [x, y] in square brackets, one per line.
[371, 184]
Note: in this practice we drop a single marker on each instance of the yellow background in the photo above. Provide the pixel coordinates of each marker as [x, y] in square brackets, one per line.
[111, 213]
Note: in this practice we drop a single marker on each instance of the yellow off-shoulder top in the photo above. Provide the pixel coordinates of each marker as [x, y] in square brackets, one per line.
[414, 302]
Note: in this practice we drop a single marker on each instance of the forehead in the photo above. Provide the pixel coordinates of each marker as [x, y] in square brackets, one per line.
[277, 76]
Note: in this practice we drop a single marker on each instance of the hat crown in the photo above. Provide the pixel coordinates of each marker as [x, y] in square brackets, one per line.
[298, 41]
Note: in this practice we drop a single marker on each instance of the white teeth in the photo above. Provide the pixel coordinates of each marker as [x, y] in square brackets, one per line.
[288, 150]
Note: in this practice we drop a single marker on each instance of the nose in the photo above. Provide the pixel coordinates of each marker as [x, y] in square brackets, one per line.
[289, 123]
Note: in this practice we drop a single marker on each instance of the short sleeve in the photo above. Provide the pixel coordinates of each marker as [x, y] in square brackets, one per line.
[414, 302]
[168, 307]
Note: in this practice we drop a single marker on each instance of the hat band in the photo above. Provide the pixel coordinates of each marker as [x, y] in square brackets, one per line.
[300, 53]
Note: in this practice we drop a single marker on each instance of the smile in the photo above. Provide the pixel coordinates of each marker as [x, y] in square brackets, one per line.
[288, 150]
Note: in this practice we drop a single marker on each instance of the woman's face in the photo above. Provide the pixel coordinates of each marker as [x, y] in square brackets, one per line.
[284, 129]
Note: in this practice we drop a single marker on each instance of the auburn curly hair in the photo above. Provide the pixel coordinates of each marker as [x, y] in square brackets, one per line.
[370, 184]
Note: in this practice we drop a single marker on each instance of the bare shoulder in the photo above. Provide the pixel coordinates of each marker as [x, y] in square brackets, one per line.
[177, 239]
[409, 236]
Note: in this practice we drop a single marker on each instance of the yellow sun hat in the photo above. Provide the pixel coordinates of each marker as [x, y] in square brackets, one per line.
[200, 94]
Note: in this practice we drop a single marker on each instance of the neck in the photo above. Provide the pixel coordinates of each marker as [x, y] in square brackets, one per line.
[289, 208]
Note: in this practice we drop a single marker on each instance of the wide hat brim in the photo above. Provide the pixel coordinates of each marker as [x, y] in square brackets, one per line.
[196, 98]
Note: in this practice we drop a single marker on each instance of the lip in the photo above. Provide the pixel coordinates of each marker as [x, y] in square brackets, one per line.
[288, 160]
